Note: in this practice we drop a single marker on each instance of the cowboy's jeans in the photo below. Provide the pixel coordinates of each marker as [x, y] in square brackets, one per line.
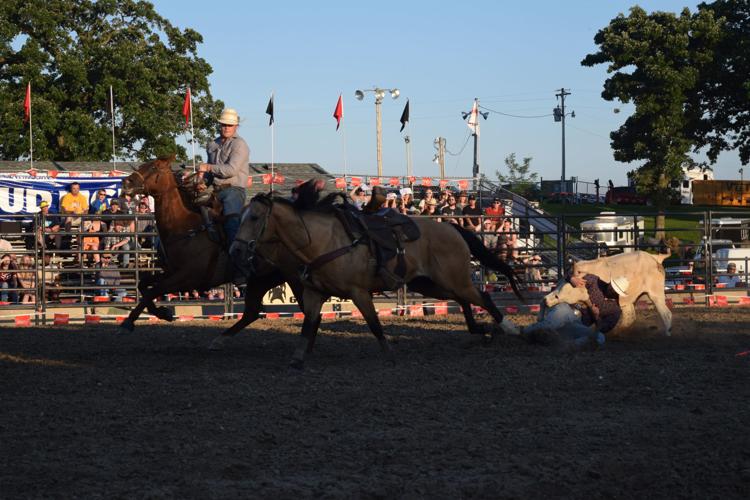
[563, 319]
[233, 200]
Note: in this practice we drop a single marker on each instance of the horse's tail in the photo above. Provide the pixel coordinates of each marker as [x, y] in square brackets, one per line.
[487, 259]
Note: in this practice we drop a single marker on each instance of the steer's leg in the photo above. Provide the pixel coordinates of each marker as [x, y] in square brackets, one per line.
[661, 307]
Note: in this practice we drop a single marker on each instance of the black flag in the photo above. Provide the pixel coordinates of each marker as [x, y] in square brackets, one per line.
[404, 116]
[269, 111]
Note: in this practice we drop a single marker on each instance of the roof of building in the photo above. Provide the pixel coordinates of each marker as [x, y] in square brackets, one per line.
[290, 172]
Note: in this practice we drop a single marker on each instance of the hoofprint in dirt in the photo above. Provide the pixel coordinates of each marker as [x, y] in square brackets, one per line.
[87, 413]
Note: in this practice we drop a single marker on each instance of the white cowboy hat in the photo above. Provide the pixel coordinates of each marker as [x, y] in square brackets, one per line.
[229, 116]
[620, 285]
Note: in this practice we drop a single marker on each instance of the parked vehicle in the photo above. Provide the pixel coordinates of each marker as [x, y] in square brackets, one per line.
[613, 233]
[624, 195]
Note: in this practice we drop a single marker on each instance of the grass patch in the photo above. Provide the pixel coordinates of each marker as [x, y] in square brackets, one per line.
[682, 221]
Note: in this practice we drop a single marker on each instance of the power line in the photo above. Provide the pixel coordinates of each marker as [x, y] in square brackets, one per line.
[514, 116]
[462, 147]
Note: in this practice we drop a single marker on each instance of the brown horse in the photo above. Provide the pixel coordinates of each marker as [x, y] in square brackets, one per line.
[437, 264]
[193, 260]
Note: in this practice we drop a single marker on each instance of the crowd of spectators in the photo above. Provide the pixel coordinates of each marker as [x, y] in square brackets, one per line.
[98, 237]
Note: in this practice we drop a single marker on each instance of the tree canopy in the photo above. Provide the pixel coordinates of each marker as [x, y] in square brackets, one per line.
[519, 176]
[657, 61]
[71, 51]
[724, 91]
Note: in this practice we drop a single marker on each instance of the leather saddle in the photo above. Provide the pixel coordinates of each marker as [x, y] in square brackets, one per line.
[385, 231]
[199, 193]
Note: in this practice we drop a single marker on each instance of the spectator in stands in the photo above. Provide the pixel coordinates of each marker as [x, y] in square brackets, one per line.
[114, 209]
[496, 210]
[49, 274]
[91, 241]
[490, 234]
[463, 200]
[443, 200]
[451, 209]
[100, 204]
[730, 279]
[407, 202]
[431, 209]
[145, 225]
[119, 241]
[391, 200]
[73, 203]
[506, 242]
[127, 204]
[48, 231]
[109, 277]
[26, 279]
[533, 271]
[428, 197]
[472, 223]
[359, 197]
[8, 279]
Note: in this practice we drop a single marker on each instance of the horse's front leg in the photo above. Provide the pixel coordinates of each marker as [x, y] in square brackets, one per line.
[254, 292]
[313, 303]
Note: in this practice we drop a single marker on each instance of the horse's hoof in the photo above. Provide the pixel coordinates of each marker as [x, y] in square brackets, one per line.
[488, 338]
[217, 344]
[164, 313]
[126, 327]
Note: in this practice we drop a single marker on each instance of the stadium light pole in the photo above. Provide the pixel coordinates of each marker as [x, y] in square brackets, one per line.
[379, 95]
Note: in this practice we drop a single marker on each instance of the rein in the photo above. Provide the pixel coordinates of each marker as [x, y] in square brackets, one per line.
[252, 245]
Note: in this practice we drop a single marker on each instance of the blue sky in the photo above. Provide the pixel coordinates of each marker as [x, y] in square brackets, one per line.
[513, 56]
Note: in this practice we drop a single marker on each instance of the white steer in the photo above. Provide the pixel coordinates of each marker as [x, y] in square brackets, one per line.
[644, 272]
[568, 294]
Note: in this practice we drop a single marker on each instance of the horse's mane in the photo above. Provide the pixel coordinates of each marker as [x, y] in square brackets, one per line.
[308, 197]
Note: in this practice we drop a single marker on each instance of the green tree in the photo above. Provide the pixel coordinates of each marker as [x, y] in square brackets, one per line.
[724, 92]
[520, 177]
[72, 51]
[656, 61]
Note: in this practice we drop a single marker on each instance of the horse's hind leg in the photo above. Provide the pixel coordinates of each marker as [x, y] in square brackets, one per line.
[363, 300]
[471, 323]
[483, 299]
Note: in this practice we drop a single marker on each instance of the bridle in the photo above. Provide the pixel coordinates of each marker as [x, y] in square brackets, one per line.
[138, 174]
[251, 246]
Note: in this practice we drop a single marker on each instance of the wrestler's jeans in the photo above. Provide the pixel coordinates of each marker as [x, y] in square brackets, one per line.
[563, 319]
[233, 200]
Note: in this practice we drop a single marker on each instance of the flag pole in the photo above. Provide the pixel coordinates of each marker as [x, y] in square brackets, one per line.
[273, 125]
[112, 113]
[192, 130]
[31, 132]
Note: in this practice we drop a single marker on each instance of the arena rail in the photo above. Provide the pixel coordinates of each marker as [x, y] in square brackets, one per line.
[61, 284]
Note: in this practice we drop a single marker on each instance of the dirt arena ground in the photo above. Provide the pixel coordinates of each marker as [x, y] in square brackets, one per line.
[90, 414]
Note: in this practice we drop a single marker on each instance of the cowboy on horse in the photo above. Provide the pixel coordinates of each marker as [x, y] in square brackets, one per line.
[228, 169]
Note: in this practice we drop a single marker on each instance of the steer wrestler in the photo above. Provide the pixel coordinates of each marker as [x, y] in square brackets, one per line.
[580, 313]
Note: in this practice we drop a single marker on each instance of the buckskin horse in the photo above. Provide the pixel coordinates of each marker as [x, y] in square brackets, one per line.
[313, 239]
[193, 260]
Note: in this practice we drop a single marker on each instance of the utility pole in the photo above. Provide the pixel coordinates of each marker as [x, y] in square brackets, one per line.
[559, 114]
[473, 124]
[440, 155]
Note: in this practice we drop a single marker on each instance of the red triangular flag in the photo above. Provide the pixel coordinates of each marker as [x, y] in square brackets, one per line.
[27, 104]
[186, 107]
[339, 111]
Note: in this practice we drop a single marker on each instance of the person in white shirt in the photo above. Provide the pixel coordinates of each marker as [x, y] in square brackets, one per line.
[730, 279]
